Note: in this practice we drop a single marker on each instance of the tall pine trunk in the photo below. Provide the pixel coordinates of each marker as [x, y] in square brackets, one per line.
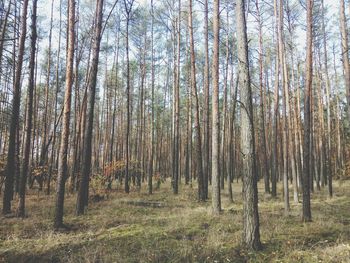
[197, 128]
[63, 152]
[11, 154]
[216, 200]
[251, 233]
[306, 216]
[83, 191]
[28, 125]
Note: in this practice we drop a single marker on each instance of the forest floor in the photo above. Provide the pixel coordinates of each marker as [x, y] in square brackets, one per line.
[165, 228]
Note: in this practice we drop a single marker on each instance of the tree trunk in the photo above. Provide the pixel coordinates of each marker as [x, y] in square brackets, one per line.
[275, 170]
[215, 171]
[28, 129]
[345, 52]
[306, 217]
[63, 154]
[251, 234]
[328, 107]
[176, 102]
[206, 113]
[197, 128]
[83, 191]
[152, 150]
[128, 8]
[11, 154]
[262, 102]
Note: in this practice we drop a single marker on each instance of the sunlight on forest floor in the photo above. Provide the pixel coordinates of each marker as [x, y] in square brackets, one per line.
[167, 228]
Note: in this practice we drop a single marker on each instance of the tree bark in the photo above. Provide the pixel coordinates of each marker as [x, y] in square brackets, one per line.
[328, 107]
[152, 150]
[63, 154]
[262, 101]
[306, 216]
[275, 170]
[197, 128]
[345, 52]
[28, 129]
[83, 191]
[11, 154]
[128, 8]
[251, 234]
[215, 171]
[206, 113]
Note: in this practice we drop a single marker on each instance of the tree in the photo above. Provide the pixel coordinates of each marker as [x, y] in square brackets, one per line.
[328, 106]
[216, 200]
[29, 115]
[306, 216]
[63, 153]
[251, 234]
[11, 154]
[275, 170]
[285, 83]
[83, 192]
[197, 127]
[176, 101]
[262, 99]
[152, 150]
[345, 51]
[206, 113]
[128, 9]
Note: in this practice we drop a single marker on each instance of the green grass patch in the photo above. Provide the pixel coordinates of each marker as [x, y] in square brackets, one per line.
[165, 228]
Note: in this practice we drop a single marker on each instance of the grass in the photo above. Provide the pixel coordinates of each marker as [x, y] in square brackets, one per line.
[124, 228]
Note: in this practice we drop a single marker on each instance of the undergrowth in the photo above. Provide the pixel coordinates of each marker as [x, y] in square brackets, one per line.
[165, 228]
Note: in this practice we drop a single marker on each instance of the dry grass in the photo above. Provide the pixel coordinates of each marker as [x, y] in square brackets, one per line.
[179, 229]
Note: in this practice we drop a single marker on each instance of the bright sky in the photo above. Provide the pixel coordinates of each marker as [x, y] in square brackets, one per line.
[44, 9]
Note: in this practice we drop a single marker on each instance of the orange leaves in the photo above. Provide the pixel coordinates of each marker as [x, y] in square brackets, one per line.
[119, 166]
[39, 171]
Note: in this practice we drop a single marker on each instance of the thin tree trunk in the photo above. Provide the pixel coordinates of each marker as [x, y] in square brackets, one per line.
[83, 191]
[11, 154]
[197, 128]
[275, 170]
[216, 199]
[306, 216]
[206, 113]
[328, 107]
[28, 129]
[128, 8]
[262, 101]
[152, 150]
[345, 52]
[63, 154]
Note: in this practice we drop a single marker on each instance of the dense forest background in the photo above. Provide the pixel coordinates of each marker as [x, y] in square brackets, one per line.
[228, 103]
